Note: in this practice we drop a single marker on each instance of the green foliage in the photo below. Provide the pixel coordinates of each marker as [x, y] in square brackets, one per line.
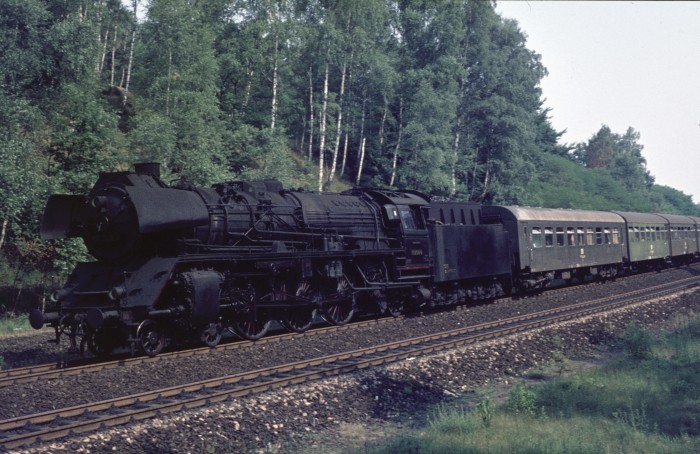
[12, 325]
[486, 409]
[637, 342]
[562, 183]
[225, 89]
[521, 400]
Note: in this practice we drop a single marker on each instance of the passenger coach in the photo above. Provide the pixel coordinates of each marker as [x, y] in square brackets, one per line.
[550, 244]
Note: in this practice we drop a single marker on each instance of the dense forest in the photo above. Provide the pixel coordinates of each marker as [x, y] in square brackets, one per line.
[439, 96]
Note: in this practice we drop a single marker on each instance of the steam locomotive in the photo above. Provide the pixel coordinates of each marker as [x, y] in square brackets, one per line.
[185, 262]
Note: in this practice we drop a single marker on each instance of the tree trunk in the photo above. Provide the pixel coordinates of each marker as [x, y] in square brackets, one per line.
[131, 54]
[114, 51]
[274, 87]
[362, 162]
[395, 158]
[322, 131]
[455, 145]
[382, 123]
[101, 64]
[311, 114]
[336, 147]
[167, 87]
[3, 232]
[345, 154]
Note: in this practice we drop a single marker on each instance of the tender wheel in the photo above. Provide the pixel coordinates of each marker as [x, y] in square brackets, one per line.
[212, 335]
[151, 337]
[339, 310]
[250, 327]
[300, 319]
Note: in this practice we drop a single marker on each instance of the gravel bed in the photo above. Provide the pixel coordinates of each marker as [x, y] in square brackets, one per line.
[285, 420]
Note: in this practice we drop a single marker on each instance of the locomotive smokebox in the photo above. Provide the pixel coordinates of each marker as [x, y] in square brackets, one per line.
[148, 168]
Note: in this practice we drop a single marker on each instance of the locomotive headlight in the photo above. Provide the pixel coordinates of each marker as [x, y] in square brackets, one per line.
[117, 293]
[58, 295]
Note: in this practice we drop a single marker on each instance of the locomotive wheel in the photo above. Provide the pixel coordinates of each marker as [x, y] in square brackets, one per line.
[301, 319]
[394, 307]
[339, 310]
[250, 327]
[99, 343]
[151, 337]
[212, 335]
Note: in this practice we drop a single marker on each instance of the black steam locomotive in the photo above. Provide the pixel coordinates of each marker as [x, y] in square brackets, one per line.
[182, 262]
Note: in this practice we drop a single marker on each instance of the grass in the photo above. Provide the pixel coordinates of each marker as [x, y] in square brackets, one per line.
[11, 325]
[648, 402]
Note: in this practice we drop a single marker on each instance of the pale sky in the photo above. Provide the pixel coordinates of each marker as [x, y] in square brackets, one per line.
[622, 63]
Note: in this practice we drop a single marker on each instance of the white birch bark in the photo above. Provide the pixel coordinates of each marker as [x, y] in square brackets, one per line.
[336, 147]
[131, 54]
[114, 51]
[362, 162]
[311, 114]
[3, 232]
[395, 158]
[322, 132]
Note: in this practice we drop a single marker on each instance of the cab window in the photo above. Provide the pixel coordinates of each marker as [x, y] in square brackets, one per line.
[410, 220]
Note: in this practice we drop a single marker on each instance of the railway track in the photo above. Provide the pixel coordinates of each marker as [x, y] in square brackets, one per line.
[80, 419]
[65, 368]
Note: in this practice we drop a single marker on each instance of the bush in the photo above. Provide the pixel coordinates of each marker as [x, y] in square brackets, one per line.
[521, 400]
[637, 342]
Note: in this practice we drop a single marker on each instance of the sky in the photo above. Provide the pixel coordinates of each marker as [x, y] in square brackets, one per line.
[622, 64]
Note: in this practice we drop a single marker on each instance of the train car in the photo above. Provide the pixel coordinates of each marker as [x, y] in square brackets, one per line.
[550, 244]
[647, 239]
[682, 237]
[695, 232]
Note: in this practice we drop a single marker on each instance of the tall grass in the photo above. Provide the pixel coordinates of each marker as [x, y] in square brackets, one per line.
[648, 402]
[11, 325]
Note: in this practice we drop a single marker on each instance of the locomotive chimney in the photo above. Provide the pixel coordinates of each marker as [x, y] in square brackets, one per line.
[148, 168]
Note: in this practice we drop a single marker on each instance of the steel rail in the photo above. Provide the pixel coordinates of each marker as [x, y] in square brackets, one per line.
[66, 368]
[60, 423]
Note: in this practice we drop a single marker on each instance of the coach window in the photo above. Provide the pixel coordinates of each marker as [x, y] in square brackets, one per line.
[653, 233]
[589, 236]
[580, 236]
[536, 237]
[637, 236]
[570, 236]
[560, 236]
[598, 235]
[616, 235]
[608, 235]
[548, 237]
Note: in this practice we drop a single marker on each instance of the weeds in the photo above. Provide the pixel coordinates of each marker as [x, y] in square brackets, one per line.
[485, 409]
[521, 400]
[637, 342]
